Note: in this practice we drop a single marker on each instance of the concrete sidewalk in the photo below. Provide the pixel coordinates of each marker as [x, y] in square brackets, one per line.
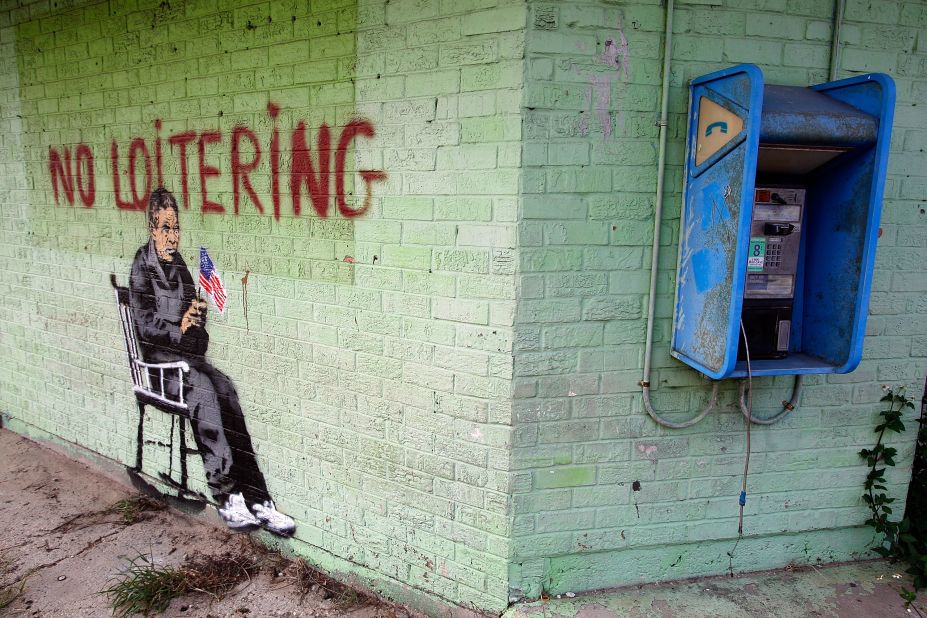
[860, 589]
[65, 562]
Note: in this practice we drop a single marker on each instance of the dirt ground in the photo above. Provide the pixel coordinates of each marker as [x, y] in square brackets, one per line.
[63, 543]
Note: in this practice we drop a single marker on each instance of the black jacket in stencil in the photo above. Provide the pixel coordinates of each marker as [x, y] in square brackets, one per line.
[160, 294]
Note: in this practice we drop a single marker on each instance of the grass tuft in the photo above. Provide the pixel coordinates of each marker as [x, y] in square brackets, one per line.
[146, 588]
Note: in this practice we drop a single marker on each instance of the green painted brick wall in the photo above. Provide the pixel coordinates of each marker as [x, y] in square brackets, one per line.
[581, 436]
[374, 364]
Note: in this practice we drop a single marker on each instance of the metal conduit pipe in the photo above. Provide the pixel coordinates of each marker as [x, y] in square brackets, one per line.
[712, 401]
[655, 252]
[787, 406]
[835, 39]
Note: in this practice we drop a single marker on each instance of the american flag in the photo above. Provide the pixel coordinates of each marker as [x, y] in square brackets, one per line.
[210, 281]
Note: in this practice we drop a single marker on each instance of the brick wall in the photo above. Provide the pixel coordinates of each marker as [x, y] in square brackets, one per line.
[441, 382]
[373, 357]
[582, 440]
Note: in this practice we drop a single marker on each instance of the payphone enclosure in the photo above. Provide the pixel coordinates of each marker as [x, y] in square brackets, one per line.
[782, 199]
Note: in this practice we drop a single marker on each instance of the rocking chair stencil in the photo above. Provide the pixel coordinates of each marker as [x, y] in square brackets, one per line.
[149, 386]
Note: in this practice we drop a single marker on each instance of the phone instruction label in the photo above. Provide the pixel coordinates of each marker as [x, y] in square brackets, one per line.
[757, 256]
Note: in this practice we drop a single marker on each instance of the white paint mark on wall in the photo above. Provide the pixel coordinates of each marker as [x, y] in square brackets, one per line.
[617, 57]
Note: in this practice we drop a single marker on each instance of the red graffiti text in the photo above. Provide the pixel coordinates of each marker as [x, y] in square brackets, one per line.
[310, 169]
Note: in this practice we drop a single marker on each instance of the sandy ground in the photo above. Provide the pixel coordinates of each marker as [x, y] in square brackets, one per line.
[58, 534]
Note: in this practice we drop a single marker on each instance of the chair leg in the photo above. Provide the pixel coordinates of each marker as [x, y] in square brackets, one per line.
[183, 453]
[140, 440]
[170, 449]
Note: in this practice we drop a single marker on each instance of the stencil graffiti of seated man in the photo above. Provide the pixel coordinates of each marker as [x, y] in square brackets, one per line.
[170, 319]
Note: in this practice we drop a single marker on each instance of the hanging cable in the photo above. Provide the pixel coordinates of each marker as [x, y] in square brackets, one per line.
[787, 405]
[742, 500]
[749, 417]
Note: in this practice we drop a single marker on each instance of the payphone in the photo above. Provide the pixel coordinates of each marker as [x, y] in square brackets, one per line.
[782, 199]
[772, 265]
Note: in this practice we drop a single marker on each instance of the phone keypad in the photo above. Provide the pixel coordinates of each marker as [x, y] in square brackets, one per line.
[773, 255]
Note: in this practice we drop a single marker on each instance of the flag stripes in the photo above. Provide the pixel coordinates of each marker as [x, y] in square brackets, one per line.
[210, 281]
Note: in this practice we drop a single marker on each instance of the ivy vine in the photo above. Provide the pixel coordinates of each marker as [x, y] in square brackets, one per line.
[905, 539]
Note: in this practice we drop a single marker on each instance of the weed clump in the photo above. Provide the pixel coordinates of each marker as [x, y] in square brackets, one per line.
[146, 587]
[131, 508]
[306, 579]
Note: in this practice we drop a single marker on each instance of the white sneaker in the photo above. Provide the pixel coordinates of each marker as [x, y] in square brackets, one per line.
[236, 515]
[273, 520]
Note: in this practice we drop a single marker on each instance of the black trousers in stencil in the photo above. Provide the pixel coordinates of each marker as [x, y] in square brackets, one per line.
[222, 436]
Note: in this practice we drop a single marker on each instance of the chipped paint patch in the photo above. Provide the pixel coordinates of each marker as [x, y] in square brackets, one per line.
[648, 450]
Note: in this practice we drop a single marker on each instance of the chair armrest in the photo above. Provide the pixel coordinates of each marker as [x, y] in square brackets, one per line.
[182, 365]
